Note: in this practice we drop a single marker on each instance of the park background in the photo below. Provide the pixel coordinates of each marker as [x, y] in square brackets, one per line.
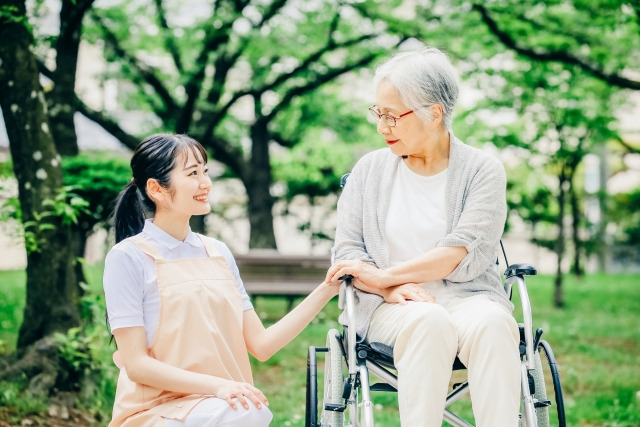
[277, 91]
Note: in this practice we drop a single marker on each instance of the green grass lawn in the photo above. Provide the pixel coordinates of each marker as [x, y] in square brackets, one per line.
[596, 339]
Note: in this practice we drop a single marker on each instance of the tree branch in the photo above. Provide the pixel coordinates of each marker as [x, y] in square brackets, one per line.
[100, 118]
[317, 82]
[281, 140]
[42, 69]
[271, 11]
[226, 153]
[194, 84]
[108, 124]
[613, 79]
[169, 40]
[635, 4]
[224, 64]
[68, 26]
[283, 77]
[146, 72]
[630, 148]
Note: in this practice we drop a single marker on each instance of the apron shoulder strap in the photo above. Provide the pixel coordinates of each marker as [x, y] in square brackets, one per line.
[146, 247]
[209, 245]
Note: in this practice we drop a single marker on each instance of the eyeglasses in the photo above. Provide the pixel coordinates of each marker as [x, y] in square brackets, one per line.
[389, 120]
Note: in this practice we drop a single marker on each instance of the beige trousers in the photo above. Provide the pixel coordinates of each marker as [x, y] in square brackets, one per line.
[426, 338]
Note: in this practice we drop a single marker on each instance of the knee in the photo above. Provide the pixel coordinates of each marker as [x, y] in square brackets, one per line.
[497, 326]
[429, 325]
[257, 417]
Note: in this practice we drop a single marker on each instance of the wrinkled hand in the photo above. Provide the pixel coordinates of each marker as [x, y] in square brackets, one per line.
[409, 291]
[242, 392]
[370, 275]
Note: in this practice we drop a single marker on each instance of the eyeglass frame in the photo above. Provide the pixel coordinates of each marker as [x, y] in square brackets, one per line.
[387, 117]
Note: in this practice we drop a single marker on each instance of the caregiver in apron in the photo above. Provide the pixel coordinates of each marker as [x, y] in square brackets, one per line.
[181, 318]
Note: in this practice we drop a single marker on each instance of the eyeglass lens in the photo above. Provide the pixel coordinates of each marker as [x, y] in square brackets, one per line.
[376, 116]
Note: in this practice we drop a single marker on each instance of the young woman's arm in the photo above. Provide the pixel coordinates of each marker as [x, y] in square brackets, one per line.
[263, 343]
[144, 369]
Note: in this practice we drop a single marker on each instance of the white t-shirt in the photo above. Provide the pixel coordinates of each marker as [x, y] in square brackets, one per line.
[416, 219]
[130, 281]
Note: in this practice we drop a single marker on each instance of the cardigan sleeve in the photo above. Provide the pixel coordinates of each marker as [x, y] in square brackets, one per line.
[349, 240]
[481, 222]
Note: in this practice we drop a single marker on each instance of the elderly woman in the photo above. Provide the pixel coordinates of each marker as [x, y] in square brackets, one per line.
[421, 220]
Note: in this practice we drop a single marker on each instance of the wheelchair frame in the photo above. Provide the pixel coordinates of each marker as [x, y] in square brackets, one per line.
[361, 358]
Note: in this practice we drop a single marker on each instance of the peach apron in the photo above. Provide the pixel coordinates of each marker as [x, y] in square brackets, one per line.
[199, 330]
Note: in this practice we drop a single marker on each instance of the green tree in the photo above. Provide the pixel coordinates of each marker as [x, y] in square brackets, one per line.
[227, 74]
[560, 117]
[61, 97]
[329, 146]
[597, 37]
[47, 212]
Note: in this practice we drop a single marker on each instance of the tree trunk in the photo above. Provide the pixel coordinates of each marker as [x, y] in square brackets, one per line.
[601, 239]
[575, 228]
[62, 97]
[258, 189]
[558, 297]
[52, 291]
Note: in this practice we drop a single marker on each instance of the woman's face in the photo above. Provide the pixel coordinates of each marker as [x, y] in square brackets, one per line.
[410, 135]
[190, 186]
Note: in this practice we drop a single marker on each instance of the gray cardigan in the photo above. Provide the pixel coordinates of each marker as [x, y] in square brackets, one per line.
[476, 213]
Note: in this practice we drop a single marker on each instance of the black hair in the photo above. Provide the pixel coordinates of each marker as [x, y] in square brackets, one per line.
[154, 158]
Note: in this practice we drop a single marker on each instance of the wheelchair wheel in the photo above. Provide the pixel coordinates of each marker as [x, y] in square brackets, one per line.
[333, 382]
[540, 394]
[550, 377]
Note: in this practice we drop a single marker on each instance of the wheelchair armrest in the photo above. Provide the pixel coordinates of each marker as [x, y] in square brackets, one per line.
[520, 270]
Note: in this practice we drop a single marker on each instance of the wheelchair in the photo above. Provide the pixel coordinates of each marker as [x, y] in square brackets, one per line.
[347, 400]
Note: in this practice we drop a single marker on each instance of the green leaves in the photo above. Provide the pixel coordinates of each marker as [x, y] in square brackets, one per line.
[97, 178]
[63, 210]
[13, 15]
[66, 205]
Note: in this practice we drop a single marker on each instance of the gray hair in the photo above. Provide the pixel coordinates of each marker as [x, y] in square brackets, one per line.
[424, 78]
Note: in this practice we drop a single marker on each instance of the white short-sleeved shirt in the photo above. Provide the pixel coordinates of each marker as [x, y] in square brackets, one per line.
[130, 282]
[416, 219]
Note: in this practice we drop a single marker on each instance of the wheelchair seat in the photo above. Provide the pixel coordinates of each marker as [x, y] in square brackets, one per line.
[383, 354]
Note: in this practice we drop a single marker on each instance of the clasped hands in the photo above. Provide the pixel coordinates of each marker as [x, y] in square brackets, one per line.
[370, 278]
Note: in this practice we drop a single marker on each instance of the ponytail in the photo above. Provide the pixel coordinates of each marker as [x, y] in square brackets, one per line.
[129, 212]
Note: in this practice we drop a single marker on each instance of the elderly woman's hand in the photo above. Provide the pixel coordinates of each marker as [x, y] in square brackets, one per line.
[370, 275]
[409, 291]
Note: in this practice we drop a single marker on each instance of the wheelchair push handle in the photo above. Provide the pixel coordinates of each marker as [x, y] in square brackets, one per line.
[520, 270]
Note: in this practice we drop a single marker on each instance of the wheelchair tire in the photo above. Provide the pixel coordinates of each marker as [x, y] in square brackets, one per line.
[540, 394]
[333, 381]
[551, 377]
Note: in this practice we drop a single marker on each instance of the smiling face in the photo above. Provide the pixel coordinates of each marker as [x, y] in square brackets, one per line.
[189, 188]
[411, 135]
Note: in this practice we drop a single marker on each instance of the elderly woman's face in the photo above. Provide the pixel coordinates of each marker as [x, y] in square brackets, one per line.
[410, 135]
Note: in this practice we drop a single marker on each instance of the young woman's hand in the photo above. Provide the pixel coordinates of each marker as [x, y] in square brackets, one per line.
[409, 291]
[333, 287]
[233, 391]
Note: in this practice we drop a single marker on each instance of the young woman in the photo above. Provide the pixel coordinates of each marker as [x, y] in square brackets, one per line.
[176, 305]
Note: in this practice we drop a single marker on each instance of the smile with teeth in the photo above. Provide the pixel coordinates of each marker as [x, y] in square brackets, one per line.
[201, 198]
